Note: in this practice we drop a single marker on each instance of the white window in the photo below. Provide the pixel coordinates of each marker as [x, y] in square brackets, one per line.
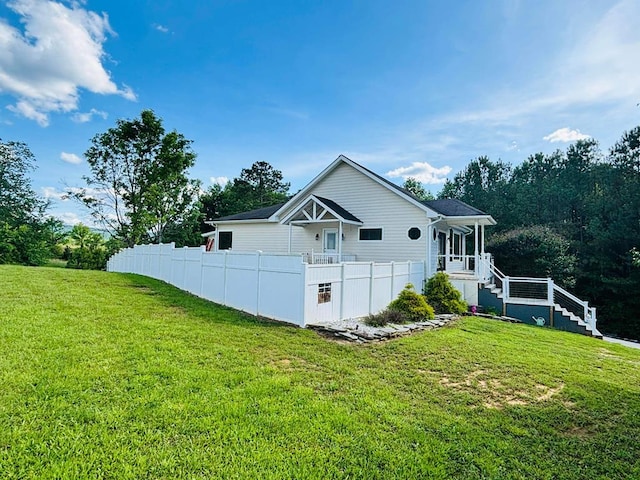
[324, 293]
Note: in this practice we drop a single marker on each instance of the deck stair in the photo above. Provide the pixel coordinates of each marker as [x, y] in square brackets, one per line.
[538, 301]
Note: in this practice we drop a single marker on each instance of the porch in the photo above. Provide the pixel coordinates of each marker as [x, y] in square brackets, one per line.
[459, 244]
[326, 221]
[477, 267]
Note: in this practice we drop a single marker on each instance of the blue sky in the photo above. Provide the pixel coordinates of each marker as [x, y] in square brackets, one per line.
[406, 88]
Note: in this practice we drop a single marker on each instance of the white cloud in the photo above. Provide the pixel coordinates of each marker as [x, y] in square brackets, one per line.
[58, 53]
[69, 218]
[222, 181]
[53, 193]
[28, 110]
[70, 158]
[565, 135]
[423, 172]
[161, 28]
[85, 117]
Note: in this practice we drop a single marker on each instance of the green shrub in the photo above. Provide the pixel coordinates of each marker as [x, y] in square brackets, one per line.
[440, 293]
[88, 259]
[412, 305]
[535, 251]
[385, 317]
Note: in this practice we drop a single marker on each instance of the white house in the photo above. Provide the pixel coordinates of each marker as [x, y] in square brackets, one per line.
[349, 213]
[344, 247]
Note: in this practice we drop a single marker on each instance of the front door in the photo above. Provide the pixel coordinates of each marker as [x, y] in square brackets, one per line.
[330, 240]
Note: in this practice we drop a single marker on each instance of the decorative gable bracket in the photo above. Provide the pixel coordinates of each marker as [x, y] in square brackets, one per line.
[318, 210]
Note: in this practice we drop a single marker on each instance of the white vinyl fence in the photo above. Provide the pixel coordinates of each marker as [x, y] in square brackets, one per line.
[281, 287]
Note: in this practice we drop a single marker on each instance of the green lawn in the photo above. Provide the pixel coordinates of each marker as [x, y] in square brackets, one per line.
[118, 376]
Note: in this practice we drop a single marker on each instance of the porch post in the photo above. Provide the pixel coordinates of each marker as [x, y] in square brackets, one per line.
[448, 247]
[476, 263]
[340, 241]
[289, 247]
[428, 258]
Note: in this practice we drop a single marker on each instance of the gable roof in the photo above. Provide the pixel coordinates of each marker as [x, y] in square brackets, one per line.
[257, 214]
[326, 204]
[342, 212]
[308, 189]
[447, 207]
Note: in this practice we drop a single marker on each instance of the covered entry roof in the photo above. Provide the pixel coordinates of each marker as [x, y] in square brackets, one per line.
[316, 209]
[455, 212]
[451, 207]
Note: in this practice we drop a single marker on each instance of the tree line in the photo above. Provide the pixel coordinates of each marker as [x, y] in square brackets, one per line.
[573, 215]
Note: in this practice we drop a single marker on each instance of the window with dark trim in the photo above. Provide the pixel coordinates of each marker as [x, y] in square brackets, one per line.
[225, 239]
[457, 244]
[324, 293]
[414, 233]
[370, 234]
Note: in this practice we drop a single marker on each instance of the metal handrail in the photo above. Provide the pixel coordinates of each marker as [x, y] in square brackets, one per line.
[583, 310]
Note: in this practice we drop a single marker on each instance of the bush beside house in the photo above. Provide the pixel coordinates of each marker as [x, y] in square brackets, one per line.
[443, 296]
[410, 306]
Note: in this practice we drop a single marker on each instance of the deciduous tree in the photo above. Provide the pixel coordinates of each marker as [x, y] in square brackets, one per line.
[138, 183]
[416, 188]
[259, 186]
[27, 234]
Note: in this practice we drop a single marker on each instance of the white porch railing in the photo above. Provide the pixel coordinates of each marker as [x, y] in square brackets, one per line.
[542, 291]
[479, 266]
[327, 258]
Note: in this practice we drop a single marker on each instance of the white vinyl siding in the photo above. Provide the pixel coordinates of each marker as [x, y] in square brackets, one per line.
[271, 237]
[248, 237]
[375, 205]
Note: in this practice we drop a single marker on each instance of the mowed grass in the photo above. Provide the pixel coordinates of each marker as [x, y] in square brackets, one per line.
[118, 376]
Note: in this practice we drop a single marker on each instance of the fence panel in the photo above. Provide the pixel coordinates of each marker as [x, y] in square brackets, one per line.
[382, 288]
[242, 281]
[281, 287]
[357, 289]
[213, 276]
[193, 270]
[177, 268]
[164, 270]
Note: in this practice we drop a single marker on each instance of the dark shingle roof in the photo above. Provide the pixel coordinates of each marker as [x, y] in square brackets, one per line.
[452, 207]
[344, 213]
[258, 214]
[449, 207]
